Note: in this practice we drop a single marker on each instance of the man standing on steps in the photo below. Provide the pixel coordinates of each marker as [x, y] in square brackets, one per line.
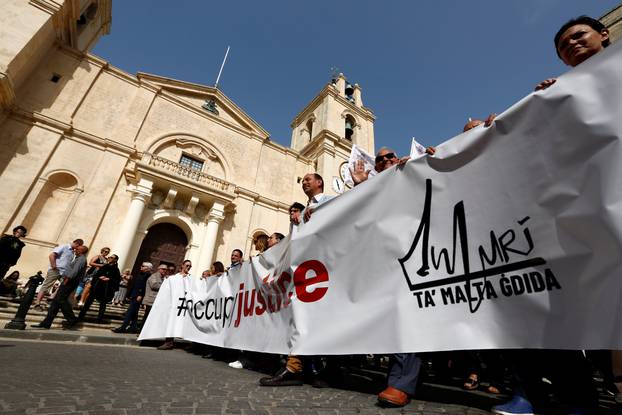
[153, 286]
[59, 259]
[130, 322]
[70, 278]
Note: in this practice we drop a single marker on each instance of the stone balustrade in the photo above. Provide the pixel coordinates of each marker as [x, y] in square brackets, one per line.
[183, 171]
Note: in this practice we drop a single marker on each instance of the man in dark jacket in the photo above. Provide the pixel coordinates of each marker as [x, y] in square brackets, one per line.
[11, 249]
[103, 286]
[130, 322]
[70, 279]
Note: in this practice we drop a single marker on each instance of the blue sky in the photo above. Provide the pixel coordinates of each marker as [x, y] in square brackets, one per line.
[424, 66]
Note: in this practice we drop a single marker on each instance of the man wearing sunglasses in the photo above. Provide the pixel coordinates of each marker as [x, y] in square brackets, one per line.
[130, 322]
[403, 367]
[385, 158]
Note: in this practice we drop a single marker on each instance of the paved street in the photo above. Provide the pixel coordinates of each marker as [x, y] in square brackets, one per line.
[53, 378]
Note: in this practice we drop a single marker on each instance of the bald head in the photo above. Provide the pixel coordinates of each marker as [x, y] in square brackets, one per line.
[471, 124]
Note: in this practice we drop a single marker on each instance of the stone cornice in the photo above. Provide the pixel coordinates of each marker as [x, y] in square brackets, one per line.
[69, 132]
[261, 200]
[324, 138]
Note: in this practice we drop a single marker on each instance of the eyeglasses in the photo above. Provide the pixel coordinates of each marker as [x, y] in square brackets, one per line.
[388, 156]
[188, 266]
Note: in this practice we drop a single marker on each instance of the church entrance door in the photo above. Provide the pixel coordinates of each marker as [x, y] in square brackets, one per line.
[165, 243]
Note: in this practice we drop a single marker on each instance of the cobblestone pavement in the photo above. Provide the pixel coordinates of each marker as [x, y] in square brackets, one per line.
[54, 378]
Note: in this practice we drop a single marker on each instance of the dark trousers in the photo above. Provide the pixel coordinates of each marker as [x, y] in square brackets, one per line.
[147, 311]
[568, 370]
[131, 317]
[4, 268]
[87, 305]
[404, 371]
[61, 302]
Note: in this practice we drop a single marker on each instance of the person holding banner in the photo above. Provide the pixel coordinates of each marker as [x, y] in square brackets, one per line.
[404, 368]
[291, 374]
[169, 342]
[576, 41]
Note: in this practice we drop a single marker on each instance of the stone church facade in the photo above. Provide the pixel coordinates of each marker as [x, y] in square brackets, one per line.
[155, 168]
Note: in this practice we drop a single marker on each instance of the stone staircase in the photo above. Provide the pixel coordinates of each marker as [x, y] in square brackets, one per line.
[113, 317]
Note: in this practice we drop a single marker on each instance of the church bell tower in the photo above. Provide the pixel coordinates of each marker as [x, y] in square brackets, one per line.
[326, 128]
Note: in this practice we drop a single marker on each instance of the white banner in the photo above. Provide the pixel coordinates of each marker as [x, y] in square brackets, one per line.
[509, 237]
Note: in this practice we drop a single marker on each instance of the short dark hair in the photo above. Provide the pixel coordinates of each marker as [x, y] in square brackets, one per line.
[298, 206]
[20, 227]
[78, 241]
[186, 260]
[586, 20]
[218, 266]
[279, 236]
[318, 177]
[238, 250]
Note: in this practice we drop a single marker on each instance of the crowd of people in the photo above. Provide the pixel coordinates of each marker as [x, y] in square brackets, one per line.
[533, 373]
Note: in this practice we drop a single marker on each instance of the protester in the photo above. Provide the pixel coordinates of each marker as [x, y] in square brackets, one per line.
[153, 286]
[70, 275]
[292, 373]
[11, 249]
[95, 264]
[385, 158]
[169, 342]
[130, 321]
[236, 259]
[275, 238]
[59, 258]
[576, 41]
[119, 296]
[217, 269]
[104, 284]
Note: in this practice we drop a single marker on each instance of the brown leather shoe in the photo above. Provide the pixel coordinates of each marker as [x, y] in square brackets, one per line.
[168, 345]
[393, 397]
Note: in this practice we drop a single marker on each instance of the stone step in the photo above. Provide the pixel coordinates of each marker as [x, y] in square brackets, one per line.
[113, 316]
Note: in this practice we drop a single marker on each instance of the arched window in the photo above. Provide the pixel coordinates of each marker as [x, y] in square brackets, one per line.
[310, 129]
[350, 123]
[50, 210]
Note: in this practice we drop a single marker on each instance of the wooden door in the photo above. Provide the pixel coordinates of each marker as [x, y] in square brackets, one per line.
[165, 243]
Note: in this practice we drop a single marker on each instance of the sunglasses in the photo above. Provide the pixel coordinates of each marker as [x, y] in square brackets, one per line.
[388, 156]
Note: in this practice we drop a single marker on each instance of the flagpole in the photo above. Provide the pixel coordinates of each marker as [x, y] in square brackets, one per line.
[221, 66]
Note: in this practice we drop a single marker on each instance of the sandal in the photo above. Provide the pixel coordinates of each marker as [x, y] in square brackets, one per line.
[471, 383]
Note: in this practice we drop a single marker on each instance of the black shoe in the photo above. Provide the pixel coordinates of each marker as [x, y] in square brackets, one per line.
[119, 330]
[40, 326]
[132, 330]
[283, 378]
[318, 382]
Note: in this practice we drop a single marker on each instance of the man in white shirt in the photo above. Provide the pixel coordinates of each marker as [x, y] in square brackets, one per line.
[59, 258]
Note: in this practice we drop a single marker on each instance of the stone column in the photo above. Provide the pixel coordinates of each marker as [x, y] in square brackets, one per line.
[141, 193]
[214, 218]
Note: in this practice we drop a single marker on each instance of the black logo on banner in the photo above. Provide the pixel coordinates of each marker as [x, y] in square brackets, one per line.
[437, 277]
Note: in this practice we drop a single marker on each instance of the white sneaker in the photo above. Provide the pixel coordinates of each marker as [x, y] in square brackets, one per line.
[236, 365]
